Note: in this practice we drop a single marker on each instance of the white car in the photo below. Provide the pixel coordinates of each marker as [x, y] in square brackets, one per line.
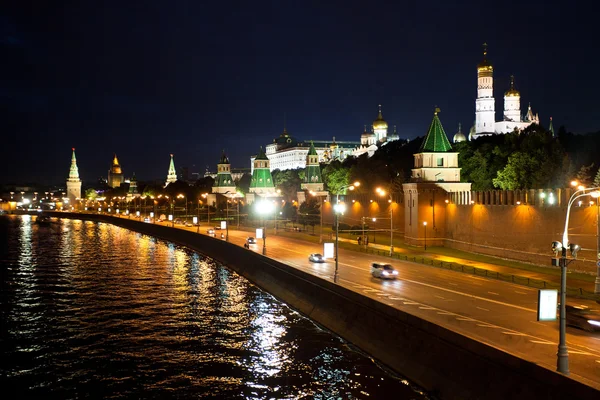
[251, 240]
[383, 271]
[316, 257]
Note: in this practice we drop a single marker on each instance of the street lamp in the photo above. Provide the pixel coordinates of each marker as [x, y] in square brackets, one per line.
[184, 196]
[339, 209]
[382, 192]
[425, 228]
[264, 207]
[562, 362]
[205, 196]
[313, 193]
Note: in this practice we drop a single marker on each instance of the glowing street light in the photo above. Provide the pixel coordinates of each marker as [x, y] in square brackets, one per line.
[382, 192]
[425, 229]
[264, 207]
[562, 363]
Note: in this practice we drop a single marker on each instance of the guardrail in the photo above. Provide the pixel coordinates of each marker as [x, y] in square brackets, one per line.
[517, 279]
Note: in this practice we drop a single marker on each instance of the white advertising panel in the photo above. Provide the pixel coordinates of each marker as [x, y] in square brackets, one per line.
[547, 304]
[259, 233]
[195, 220]
[170, 217]
[223, 224]
[328, 250]
[151, 214]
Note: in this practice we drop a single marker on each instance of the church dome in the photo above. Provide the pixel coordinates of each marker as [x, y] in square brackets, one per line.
[380, 123]
[512, 92]
[485, 68]
[459, 136]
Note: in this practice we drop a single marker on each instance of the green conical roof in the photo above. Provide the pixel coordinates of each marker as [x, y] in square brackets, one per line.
[312, 151]
[224, 159]
[261, 155]
[551, 129]
[73, 171]
[436, 139]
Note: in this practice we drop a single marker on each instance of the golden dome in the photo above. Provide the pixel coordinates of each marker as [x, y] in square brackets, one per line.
[512, 92]
[380, 123]
[485, 65]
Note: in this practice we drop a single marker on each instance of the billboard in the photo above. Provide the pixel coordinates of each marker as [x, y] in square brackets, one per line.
[328, 250]
[547, 305]
[223, 224]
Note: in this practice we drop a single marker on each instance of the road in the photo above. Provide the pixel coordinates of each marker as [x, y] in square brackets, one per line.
[498, 313]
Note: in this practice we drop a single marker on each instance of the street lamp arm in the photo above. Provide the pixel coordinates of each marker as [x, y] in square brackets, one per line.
[574, 196]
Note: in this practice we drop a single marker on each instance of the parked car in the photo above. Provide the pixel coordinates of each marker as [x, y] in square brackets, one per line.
[189, 224]
[383, 271]
[583, 317]
[211, 232]
[251, 240]
[316, 257]
[217, 228]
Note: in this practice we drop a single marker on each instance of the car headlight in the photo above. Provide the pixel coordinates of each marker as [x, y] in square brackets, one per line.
[385, 273]
[596, 323]
[395, 272]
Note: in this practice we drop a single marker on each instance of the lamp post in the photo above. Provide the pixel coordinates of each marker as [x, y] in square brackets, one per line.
[597, 281]
[320, 214]
[264, 207]
[205, 196]
[339, 209]
[183, 196]
[562, 362]
[425, 228]
[382, 192]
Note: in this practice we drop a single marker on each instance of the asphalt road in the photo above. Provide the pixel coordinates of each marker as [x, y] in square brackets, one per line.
[498, 313]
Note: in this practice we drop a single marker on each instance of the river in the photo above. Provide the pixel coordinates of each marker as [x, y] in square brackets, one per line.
[91, 310]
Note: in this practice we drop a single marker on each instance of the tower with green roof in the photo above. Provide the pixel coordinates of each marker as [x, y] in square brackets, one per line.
[224, 182]
[73, 182]
[551, 128]
[435, 186]
[171, 175]
[436, 161]
[312, 178]
[262, 181]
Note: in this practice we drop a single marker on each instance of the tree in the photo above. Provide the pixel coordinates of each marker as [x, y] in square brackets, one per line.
[584, 176]
[518, 173]
[288, 182]
[91, 194]
[336, 176]
[309, 211]
[597, 179]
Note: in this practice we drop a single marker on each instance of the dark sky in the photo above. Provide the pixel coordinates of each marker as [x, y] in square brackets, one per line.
[148, 78]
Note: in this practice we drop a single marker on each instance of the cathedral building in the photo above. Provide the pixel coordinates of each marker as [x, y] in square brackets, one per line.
[485, 113]
[115, 174]
[370, 141]
[73, 182]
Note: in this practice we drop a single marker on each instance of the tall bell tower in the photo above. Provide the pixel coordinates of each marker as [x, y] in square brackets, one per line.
[484, 105]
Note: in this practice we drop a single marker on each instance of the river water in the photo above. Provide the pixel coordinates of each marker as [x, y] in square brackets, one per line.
[90, 310]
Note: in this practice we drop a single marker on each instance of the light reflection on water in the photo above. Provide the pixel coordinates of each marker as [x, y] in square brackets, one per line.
[92, 310]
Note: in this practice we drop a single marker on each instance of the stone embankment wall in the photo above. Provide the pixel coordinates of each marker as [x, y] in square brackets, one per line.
[443, 362]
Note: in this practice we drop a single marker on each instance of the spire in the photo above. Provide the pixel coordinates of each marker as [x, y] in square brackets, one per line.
[484, 51]
[484, 65]
[551, 129]
[115, 160]
[436, 139]
[261, 155]
[74, 171]
[311, 150]
[171, 175]
[224, 159]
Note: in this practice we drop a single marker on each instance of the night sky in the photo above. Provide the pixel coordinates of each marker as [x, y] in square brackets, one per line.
[147, 78]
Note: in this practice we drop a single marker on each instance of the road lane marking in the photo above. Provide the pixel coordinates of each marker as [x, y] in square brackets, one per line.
[466, 319]
[484, 309]
[515, 333]
[541, 342]
[410, 303]
[395, 298]
[516, 291]
[472, 296]
[427, 308]
[452, 283]
[484, 325]
[497, 294]
[439, 297]
[445, 313]
[585, 353]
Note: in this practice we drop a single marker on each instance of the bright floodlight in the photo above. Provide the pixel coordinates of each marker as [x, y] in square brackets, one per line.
[265, 207]
[339, 208]
[424, 223]
[574, 249]
[595, 194]
[557, 247]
